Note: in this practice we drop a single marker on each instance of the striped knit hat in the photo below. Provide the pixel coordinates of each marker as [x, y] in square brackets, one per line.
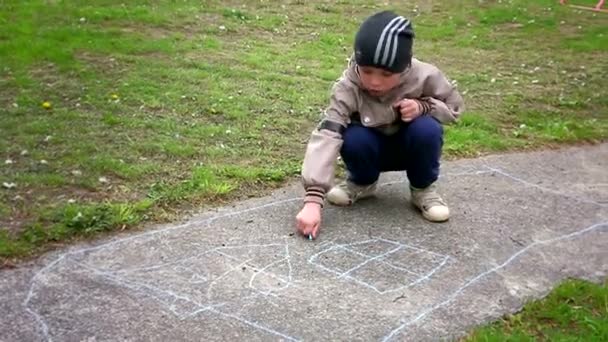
[385, 40]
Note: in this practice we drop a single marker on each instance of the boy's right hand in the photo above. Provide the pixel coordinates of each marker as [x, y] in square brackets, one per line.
[409, 109]
[308, 219]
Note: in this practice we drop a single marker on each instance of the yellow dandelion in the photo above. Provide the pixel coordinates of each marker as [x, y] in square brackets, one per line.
[114, 96]
[46, 105]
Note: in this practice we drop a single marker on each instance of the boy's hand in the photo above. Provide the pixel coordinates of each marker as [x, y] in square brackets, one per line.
[409, 109]
[308, 220]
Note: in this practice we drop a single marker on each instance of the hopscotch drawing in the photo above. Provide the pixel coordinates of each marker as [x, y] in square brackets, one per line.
[379, 264]
[211, 279]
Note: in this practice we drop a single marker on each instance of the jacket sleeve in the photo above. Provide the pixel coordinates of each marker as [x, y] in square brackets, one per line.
[324, 144]
[440, 98]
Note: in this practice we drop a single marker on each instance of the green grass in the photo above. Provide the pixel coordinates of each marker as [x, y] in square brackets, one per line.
[178, 104]
[574, 311]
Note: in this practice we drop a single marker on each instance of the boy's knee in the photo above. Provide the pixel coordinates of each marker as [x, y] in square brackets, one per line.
[425, 130]
[358, 141]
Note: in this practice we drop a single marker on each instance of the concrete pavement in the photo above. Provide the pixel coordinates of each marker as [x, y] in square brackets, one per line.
[378, 272]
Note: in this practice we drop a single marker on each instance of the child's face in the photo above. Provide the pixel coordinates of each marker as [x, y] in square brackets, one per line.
[376, 81]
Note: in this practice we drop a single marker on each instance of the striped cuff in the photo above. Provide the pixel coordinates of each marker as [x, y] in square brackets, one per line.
[425, 106]
[315, 195]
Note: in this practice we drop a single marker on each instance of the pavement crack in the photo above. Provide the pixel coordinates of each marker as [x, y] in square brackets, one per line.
[399, 298]
[517, 242]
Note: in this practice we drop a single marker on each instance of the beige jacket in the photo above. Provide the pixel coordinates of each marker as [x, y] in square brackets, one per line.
[422, 81]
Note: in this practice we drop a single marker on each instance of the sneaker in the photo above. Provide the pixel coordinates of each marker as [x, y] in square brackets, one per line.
[430, 203]
[347, 193]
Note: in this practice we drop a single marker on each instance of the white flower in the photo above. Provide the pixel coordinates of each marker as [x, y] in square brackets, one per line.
[24, 153]
[8, 161]
[76, 173]
[103, 180]
[44, 162]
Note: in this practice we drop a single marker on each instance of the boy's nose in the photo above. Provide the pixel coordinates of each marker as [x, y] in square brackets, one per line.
[375, 82]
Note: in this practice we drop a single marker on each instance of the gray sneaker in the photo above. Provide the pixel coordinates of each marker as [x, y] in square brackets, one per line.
[347, 193]
[433, 207]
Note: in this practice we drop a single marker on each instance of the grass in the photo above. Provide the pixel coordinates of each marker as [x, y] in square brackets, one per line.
[576, 310]
[159, 108]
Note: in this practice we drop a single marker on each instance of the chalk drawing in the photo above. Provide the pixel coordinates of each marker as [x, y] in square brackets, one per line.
[344, 250]
[185, 306]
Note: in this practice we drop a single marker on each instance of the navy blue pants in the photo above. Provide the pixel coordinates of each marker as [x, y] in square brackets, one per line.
[415, 148]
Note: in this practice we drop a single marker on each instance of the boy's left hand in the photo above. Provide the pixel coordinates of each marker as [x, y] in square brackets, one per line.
[409, 109]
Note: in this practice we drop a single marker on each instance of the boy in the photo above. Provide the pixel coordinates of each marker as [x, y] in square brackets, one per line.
[385, 114]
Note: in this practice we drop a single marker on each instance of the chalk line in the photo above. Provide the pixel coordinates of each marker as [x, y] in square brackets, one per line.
[153, 291]
[255, 325]
[380, 256]
[263, 270]
[555, 192]
[37, 317]
[346, 274]
[392, 264]
[430, 274]
[212, 284]
[455, 294]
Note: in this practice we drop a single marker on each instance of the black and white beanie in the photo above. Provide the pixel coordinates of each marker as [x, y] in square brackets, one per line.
[385, 40]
